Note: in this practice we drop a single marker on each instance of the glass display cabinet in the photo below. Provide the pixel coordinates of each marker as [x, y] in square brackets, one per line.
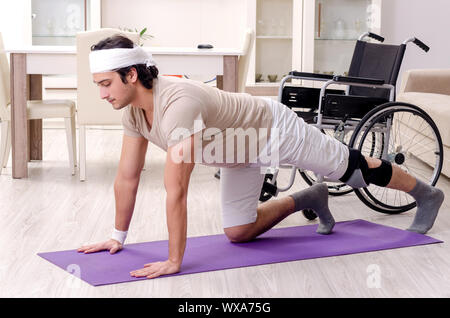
[56, 22]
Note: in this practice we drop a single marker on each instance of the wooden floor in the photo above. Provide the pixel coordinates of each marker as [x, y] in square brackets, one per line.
[52, 210]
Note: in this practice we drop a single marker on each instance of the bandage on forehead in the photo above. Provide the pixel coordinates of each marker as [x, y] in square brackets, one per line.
[108, 60]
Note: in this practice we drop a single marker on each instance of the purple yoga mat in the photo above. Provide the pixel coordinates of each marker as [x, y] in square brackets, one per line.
[215, 252]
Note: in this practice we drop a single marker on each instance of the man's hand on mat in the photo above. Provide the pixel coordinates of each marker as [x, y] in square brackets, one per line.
[153, 270]
[111, 245]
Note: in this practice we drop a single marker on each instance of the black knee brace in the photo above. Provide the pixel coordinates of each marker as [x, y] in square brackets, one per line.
[358, 169]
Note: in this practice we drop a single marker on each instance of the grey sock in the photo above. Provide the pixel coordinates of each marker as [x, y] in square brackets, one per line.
[429, 199]
[316, 198]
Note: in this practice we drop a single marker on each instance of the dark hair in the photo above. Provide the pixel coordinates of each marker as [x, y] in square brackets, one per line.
[145, 74]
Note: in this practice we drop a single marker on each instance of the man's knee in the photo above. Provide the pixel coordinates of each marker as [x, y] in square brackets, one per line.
[240, 233]
[360, 174]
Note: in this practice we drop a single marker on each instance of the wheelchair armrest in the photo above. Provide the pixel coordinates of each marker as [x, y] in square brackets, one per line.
[358, 80]
[311, 75]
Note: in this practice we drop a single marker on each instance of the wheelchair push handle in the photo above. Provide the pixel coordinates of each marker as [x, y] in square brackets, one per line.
[375, 36]
[417, 42]
[371, 35]
[422, 45]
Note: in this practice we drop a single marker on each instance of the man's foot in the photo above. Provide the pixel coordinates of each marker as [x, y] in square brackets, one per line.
[316, 198]
[429, 199]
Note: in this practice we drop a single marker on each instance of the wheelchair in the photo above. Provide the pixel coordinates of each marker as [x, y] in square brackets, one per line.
[365, 116]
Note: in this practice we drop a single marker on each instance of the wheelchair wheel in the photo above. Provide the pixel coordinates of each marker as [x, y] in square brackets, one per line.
[406, 136]
[334, 188]
[309, 214]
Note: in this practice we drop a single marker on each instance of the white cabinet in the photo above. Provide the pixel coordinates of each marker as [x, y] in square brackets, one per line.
[306, 35]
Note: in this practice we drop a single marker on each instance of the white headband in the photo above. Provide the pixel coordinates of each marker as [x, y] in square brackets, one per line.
[112, 59]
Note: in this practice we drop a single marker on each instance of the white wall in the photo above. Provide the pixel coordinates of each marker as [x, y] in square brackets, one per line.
[15, 22]
[428, 21]
[180, 22]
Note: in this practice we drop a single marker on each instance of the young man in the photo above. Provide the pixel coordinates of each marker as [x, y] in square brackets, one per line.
[196, 123]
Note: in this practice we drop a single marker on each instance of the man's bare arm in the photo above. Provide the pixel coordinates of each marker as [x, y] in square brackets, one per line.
[126, 184]
[125, 187]
[176, 181]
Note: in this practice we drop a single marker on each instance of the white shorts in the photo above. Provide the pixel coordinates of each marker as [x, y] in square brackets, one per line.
[299, 144]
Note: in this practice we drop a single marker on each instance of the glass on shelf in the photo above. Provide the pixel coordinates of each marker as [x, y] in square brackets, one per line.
[273, 27]
[339, 29]
[261, 28]
[282, 28]
[358, 27]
